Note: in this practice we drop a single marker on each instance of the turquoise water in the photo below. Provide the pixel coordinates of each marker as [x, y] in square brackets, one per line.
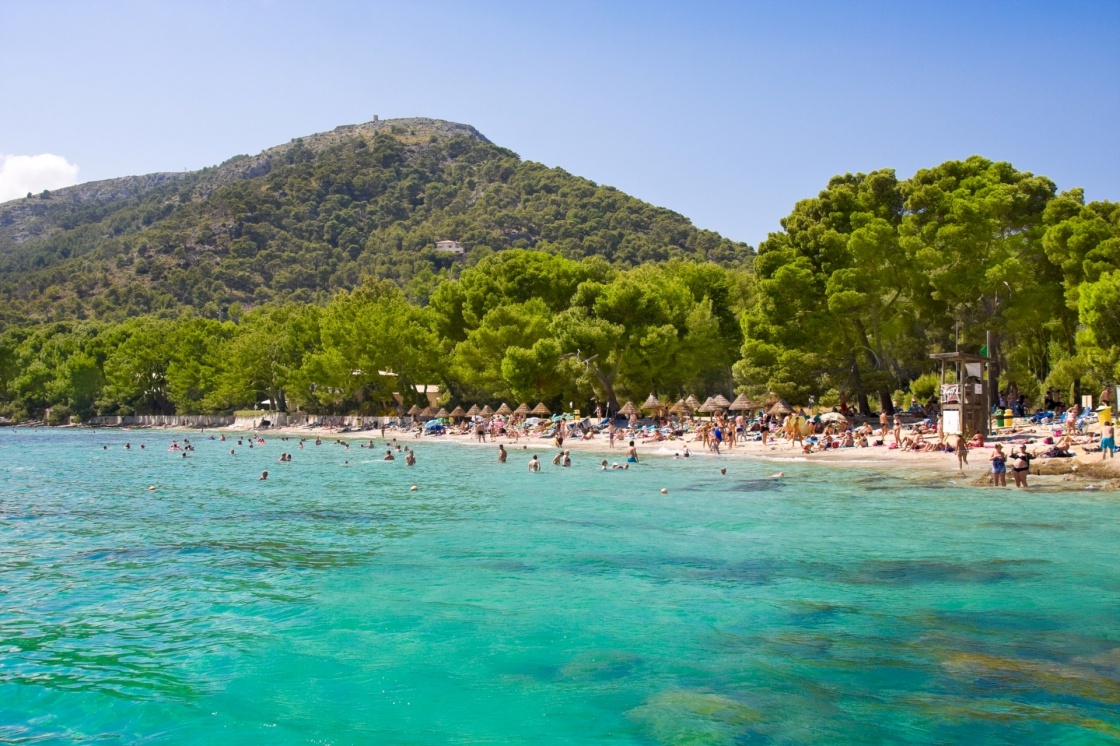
[331, 605]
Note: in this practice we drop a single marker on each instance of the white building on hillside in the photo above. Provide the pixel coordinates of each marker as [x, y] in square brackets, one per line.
[451, 247]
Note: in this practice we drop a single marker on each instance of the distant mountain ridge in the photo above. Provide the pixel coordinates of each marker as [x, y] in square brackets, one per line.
[301, 220]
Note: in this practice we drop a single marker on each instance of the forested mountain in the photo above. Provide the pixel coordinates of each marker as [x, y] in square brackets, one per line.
[320, 214]
[296, 276]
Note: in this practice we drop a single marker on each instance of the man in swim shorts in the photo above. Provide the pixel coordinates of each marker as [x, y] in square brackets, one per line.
[1108, 441]
[632, 454]
[534, 463]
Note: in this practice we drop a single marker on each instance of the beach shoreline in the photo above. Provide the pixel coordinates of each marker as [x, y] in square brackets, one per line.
[1083, 471]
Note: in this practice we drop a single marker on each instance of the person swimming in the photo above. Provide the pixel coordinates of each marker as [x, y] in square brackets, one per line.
[263, 476]
[603, 465]
[389, 456]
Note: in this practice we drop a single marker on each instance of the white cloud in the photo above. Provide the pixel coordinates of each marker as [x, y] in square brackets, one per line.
[20, 174]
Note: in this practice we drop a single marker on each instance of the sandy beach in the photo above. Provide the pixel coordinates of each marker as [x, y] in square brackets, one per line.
[1082, 471]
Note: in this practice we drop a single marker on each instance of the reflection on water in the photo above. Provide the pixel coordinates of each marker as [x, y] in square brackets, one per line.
[496, 606]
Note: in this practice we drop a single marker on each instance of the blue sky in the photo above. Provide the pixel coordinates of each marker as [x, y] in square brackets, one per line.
[725, 112]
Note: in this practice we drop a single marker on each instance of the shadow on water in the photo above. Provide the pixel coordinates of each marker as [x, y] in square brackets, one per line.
[750, 485]
[916, 572]
[260, 554]
[763, 570]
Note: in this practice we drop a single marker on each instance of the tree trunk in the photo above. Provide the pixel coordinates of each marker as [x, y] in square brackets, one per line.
[857, 385]
[885, 403]
[607, 382]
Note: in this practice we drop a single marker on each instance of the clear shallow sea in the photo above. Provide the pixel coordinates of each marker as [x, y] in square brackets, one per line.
[331, 605]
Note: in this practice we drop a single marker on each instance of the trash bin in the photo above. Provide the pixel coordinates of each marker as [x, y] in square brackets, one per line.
[999, 418]
[1104, 415]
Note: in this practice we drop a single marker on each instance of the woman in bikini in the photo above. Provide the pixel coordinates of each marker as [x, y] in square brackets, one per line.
[1020, 467]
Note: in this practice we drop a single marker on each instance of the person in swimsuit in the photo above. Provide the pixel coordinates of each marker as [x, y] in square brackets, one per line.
[1020, 467]
[501, 454]
[962, 453]
[631, 454]
[534, 463]
[389, 456]
[999, 467]
[1108, 441]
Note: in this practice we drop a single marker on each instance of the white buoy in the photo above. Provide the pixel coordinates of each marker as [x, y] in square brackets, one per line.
[664, 491]
[151, 487]
[413, 488]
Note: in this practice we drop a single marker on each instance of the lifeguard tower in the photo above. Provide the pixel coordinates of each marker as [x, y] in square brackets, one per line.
[965, 404]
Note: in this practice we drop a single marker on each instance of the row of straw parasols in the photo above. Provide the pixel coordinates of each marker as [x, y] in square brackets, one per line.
[684, 406]
[486, 411]
[711, 404]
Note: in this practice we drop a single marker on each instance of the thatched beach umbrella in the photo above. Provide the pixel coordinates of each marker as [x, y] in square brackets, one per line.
[542, 410]
[680, 407]
[719, 401]
[523, 409]
[442, 413]
[487, 411]
[707, 406]
[692, 402]
[628, 409]
[415, 410]
[741, 404]
[651, 403]
[473, 410]
[781, 407]
[428, 412]
[457, 412]
[504, 410]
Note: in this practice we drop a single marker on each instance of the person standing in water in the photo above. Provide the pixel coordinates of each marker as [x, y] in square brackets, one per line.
[999, 467]
[632, 454]
[1021, 466]
[410, 458]
[501, 454]
[534, 463]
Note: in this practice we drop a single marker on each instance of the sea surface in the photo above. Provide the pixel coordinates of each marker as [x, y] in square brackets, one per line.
[331, 604]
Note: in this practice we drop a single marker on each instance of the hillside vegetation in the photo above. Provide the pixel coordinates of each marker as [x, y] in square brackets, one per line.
[298, 275]
[301, 221]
